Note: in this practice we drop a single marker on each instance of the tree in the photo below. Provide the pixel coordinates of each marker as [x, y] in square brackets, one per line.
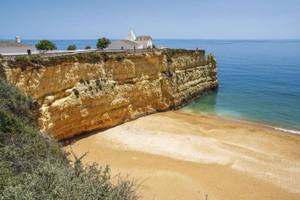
[45, 45]
[103, 43]
[72, 47]
[88, 47]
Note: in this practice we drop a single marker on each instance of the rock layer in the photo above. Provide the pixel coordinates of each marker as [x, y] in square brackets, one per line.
[83, 92]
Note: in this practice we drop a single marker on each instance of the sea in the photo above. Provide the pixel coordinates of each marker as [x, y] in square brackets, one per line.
[259, 79]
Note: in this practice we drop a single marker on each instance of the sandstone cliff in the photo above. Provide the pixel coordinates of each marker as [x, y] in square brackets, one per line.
[83, 92]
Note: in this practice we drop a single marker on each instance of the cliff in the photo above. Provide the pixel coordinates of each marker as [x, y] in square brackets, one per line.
[82, 92]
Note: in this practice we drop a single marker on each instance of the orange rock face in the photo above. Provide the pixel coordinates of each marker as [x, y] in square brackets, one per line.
[84, 92]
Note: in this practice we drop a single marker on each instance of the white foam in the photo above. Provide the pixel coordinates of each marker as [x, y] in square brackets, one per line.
[287, 130]
[238, 116]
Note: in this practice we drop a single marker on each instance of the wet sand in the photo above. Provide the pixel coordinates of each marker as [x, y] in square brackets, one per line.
[176, 155]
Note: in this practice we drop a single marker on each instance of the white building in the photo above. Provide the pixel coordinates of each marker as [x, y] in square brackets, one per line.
[144, 41]
[123, 45]
[132, 42]
[131, 36]
[18, 39]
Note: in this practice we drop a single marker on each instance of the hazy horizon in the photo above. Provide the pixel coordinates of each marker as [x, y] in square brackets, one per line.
[190, 19]
[216, 39]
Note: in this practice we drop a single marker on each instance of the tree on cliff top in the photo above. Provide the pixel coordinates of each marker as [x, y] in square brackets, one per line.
[103, 43]
[72, 47]
[45, 45]
[88, 47]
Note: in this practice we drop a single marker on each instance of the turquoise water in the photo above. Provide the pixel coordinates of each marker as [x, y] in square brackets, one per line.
[259, 80]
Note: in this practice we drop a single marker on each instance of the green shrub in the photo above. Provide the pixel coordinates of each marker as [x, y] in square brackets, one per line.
[102, 43]
[81, 81]
[12, 101]
[72, 47]
[105, 57]
[76, 92]
[45, 45]
[168, 73]
[35, 58]
[87, 47]
[120, 58]
[211, 59]
[33, 166]
[36, 61]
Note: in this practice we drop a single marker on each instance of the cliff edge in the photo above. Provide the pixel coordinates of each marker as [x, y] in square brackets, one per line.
[86, 91]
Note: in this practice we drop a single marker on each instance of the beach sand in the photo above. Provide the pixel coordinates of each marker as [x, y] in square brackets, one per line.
[177, 155]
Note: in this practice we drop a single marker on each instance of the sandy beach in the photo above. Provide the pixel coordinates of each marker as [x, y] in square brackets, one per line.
[176, 155]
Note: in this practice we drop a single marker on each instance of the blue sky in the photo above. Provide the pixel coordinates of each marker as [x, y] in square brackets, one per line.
[190, 19]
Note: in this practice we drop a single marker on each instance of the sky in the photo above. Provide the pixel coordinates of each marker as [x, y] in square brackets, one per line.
[162, 19]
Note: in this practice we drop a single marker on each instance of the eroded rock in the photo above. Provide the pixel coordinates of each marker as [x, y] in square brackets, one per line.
[81, 93]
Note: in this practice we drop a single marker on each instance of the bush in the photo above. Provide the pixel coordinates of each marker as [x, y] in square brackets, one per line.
[45, 45]
[105, 57]
[76, 92]
[12, 101]
[120, 58]
[103, 43]
[87, 47]
[72, 47]
[33, 166]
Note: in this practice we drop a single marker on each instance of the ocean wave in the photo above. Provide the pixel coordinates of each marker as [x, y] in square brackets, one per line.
[287, 130]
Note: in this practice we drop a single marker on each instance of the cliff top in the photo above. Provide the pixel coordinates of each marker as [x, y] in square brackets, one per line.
[90, 56]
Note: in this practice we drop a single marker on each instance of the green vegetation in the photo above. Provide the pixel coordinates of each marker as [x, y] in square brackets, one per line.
[211, 59]
[120, 58]
[87, 47]
[103, 43]
[169, 73]
[72, 47]
[33, 166]
[173, 53]
[45, 45]
[37, 61]
[76, 92]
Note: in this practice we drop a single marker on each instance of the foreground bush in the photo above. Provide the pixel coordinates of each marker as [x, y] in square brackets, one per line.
[33, 166]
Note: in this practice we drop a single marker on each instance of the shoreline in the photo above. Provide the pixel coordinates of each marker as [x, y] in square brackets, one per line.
[245, 120]
[184, 155]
